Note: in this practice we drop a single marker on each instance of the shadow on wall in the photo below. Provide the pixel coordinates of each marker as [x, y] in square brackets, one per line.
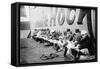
[24, 25]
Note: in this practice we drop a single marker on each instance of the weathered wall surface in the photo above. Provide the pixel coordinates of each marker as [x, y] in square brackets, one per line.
[43, 17]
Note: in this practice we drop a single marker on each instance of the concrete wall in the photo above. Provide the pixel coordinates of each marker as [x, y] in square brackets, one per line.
[40, 14]
[40, 17]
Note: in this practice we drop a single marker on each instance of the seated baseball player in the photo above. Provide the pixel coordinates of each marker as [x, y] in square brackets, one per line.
[82, 47]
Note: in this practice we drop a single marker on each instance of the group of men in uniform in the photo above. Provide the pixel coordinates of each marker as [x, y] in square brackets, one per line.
[76, 44]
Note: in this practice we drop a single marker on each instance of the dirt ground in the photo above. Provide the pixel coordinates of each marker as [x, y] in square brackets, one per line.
[31, 51]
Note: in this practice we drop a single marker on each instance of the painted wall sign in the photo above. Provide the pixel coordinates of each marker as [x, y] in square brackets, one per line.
[61, 17]
[71, 17]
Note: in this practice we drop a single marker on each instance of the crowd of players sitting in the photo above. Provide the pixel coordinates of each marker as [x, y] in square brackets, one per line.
[76, 44]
